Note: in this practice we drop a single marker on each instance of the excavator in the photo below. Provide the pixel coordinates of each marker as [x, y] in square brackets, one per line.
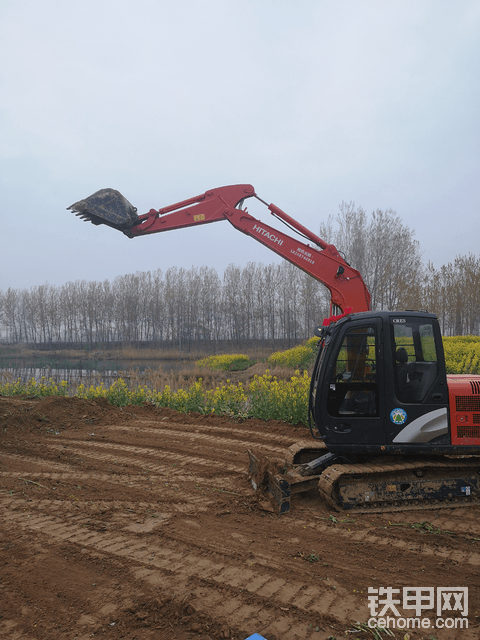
[390, 430]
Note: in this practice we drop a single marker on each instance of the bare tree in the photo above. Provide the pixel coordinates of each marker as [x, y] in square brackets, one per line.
[452, 293]
[383, 249]
[11, 315]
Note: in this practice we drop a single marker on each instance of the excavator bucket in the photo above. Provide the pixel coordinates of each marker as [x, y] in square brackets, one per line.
[275, 482]
[109, 207]
[272, 490]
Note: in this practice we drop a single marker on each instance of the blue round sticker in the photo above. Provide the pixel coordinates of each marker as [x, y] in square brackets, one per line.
[398, 416]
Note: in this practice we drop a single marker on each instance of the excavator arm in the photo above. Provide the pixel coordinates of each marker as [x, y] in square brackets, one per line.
[319, 259]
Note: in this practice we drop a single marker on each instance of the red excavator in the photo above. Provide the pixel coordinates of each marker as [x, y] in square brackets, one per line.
[391, 431]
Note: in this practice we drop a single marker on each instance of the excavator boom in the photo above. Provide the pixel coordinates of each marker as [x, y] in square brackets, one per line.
[316, 257]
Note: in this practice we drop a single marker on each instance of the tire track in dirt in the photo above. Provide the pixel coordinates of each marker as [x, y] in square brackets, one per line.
[471, 558]
[102, 479]
[221, 585]
[263, 439]
[170, 441]
[182, 504]
[161, 503]
[165, 472]
[201, 502]
[83, 447]
[35, 460]
[218, 584]
[366, 537]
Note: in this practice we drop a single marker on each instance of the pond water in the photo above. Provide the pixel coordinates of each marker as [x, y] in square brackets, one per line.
[10, 374]
[106, 372]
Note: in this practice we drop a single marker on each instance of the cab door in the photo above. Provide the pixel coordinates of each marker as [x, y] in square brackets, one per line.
[417, 405]
[350, 395]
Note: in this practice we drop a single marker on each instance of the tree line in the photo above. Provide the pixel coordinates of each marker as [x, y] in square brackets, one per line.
[188, 307]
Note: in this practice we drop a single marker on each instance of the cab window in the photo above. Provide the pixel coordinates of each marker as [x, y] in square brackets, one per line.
[415, 355]
[353, 388]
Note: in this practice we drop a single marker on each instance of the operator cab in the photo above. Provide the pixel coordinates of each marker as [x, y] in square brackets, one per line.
[379, 383]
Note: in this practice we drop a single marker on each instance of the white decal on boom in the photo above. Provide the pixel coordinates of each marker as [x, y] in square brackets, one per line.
[302, 255]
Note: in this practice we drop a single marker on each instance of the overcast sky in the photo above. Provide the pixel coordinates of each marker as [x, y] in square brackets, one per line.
[314, 102]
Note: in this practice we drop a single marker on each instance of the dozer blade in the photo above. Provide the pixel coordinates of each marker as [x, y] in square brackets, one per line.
[109, 207]
[274, 487]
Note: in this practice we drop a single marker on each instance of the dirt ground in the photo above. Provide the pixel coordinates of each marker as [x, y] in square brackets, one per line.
[140, 523]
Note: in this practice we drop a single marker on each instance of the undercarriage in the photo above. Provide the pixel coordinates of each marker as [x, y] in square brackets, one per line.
[377, 484]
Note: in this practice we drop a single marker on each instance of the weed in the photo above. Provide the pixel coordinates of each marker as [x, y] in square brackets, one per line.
[308, 557]
[377, 633]
[422, 526]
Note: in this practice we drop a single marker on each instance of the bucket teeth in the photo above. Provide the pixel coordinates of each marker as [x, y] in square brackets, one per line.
[84, 217]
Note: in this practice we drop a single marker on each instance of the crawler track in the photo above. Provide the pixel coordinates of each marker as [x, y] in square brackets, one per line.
[418, 485]
[140, 523]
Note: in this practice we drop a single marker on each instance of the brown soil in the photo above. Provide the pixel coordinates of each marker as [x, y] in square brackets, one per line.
[140, 523]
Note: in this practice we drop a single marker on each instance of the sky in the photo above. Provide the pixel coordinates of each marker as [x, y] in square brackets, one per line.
[313, 102]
